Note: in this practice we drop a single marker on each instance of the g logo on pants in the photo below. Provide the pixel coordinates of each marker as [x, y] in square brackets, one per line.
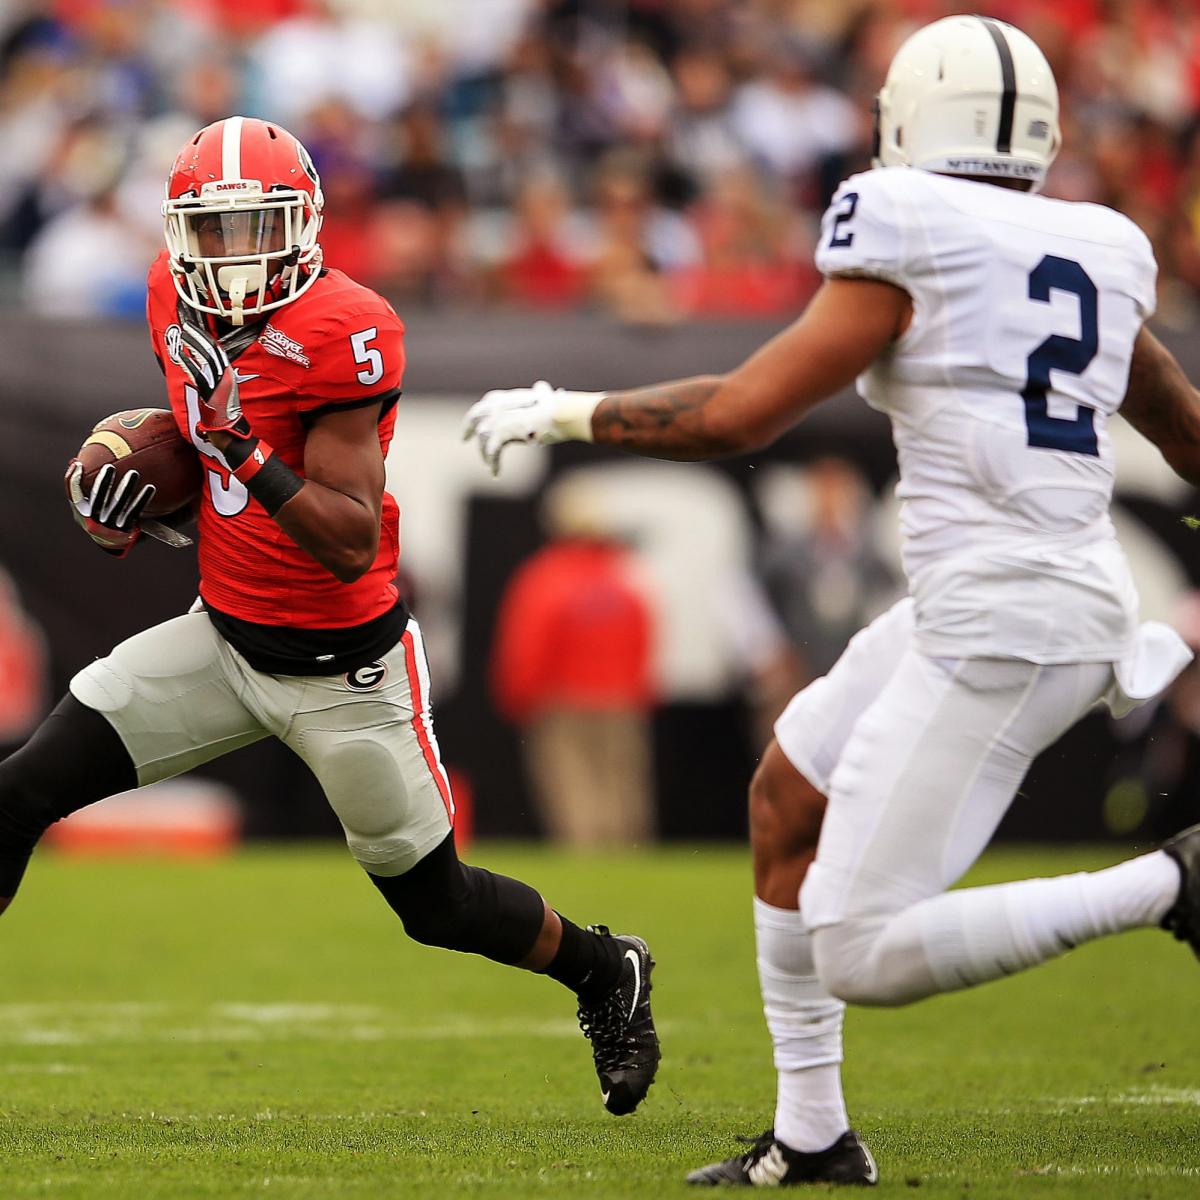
[368, 678]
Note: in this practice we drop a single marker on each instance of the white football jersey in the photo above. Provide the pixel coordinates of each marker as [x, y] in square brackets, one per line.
[1025, 311]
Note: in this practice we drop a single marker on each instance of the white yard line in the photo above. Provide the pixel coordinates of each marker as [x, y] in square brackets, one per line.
[1153, 1171]
[77, 1024]
[50, 1068]
[291, 1013]
[1155, 1096]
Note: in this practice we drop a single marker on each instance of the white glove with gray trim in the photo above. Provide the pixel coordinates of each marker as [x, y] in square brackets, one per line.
[542, 414]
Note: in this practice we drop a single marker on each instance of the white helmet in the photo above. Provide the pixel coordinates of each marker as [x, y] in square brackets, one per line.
[969, 96]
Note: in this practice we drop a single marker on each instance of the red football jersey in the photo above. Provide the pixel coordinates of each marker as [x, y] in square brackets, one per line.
[339, 345]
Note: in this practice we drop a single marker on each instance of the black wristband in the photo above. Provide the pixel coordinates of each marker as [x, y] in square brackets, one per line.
[266, 476]
[274, 485]
[238, 450]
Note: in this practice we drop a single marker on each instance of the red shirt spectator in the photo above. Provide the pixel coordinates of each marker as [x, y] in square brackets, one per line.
[541, 276]
[574, 631]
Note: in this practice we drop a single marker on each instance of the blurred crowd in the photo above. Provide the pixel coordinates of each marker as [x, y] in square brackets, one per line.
[654, 159]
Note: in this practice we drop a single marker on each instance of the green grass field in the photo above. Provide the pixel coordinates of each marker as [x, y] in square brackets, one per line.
[261, 1026]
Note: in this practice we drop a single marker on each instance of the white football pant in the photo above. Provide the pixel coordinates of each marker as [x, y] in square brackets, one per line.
[179, 695]
[920, 759]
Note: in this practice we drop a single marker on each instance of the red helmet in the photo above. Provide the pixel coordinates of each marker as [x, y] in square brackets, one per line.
[242, 212]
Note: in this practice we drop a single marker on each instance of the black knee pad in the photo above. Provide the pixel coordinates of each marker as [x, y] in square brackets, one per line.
[443, 902]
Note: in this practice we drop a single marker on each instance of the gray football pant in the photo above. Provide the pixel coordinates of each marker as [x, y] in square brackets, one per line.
[179, 695]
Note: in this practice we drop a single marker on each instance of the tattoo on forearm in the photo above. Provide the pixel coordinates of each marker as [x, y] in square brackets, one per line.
[668, 420]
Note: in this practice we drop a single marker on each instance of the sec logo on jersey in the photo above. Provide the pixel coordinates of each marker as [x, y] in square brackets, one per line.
[368, 678]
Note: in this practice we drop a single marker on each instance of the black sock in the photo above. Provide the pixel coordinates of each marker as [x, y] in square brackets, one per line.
[74, 758]
[587, 963]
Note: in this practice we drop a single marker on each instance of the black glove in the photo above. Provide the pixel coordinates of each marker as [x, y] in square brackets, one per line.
[207, 363]
[110, 513]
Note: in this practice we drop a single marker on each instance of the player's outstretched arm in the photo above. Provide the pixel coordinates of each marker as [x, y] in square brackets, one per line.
[849, 323]
[1163, 406]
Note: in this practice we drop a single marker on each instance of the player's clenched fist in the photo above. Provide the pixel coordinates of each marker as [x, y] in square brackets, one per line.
[541, 413]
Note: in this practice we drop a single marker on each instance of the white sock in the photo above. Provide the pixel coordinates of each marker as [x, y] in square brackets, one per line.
[971, 936]
[806, 1030]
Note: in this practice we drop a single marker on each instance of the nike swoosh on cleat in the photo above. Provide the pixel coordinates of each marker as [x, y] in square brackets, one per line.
[637, 974]
[604, 1096]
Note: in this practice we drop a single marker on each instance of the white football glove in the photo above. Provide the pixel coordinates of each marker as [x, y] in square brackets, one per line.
[542, 414]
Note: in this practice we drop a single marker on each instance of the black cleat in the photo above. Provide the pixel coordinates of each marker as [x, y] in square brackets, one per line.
[1183, 917]
[621, 1029]
[769, 1163]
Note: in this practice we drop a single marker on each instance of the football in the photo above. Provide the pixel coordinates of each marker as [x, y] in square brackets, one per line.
[148, 441]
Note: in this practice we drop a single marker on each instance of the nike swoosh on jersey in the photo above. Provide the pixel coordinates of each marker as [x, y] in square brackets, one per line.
[240, 378]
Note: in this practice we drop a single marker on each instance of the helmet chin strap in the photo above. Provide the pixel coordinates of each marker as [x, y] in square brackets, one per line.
[236, 281]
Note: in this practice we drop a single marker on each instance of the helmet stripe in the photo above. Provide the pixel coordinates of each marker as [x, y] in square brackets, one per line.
[1008, 76]
[231, 149]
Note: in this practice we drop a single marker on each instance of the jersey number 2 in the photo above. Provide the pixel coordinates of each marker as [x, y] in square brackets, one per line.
[837, 235]
[1076, 435]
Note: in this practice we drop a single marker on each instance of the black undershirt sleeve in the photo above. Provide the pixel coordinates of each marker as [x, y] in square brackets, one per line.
[386, 400]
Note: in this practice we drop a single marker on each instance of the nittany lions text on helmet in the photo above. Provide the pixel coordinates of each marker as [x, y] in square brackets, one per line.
[241, 214]
[970, 96]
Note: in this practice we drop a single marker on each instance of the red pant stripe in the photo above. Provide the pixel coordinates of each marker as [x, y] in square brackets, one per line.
[419, 718]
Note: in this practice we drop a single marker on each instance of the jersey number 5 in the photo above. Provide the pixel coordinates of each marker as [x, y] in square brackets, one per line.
[372, 371]
[228, 493]
[1076, 435]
